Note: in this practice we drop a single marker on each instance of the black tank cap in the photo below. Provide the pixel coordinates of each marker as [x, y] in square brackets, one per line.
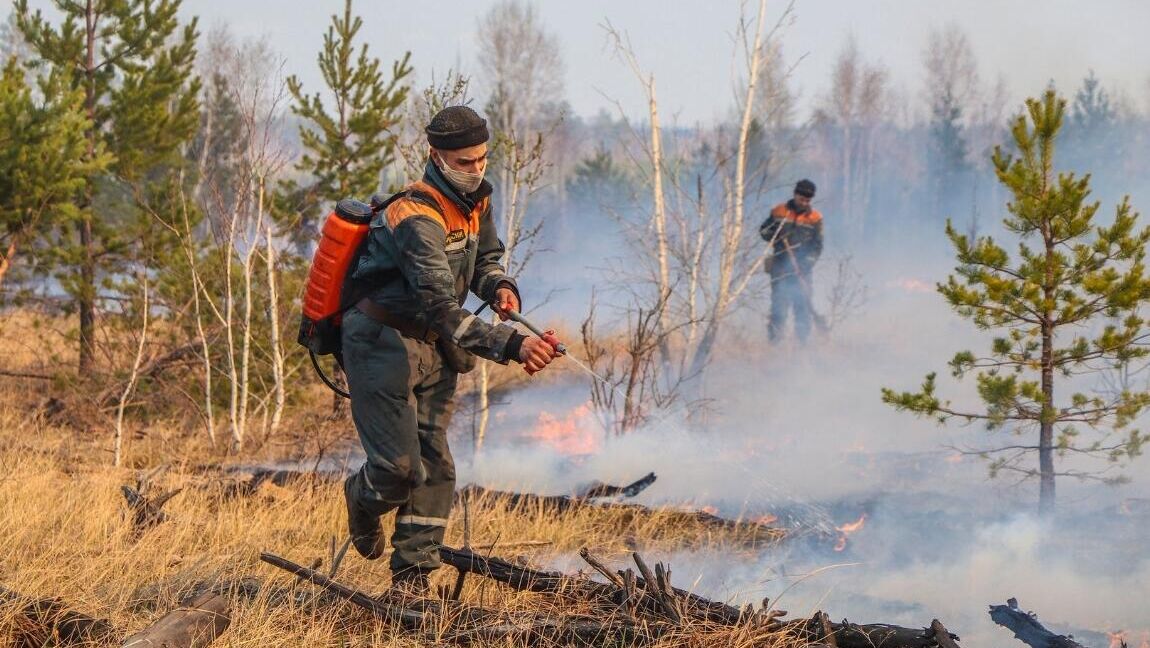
[354, 211]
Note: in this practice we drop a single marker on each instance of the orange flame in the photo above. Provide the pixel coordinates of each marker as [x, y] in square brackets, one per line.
[847, 529]
[769, 518]
[1117, 639]
[572, 434]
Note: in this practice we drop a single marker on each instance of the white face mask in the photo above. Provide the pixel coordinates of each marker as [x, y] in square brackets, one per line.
[463, 181]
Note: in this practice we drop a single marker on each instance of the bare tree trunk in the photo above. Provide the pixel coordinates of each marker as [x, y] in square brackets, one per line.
[197, 312]
[1046, 423]
[273, 313]
[118, 438]
[229, 325]
[733, 216]
[87, 297]
[1048, 415]
[246, 346]
[484, 405]
[848, 147]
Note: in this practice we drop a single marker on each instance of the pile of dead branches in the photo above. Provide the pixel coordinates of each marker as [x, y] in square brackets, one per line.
[631, 608]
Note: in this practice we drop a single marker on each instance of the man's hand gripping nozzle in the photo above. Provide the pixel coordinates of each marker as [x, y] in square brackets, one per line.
[549, 338]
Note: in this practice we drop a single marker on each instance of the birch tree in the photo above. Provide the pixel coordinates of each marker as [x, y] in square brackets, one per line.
[521, 65]
[846, 122]
[701, 263]
[236, 292]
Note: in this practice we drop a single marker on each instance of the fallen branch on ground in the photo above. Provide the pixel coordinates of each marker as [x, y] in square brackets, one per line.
[1026, 627]
[191, 625]
[42, 622]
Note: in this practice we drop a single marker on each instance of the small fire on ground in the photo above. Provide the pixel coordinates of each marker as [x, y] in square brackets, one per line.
[1122, 639]
[573, 433]
[846, 530]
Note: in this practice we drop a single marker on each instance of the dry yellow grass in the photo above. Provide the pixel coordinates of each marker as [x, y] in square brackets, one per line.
[67, 535]
[66, 532]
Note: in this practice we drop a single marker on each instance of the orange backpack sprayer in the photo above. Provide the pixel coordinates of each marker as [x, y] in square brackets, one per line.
[328, 292]
[344, 232]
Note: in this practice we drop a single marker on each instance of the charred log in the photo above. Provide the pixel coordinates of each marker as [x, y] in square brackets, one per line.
[41, 622]
[146, 507]
[941, 636]
[467, 624]
[743, 532]
[599, 489]
[523, 579]
[1026, 627]
[192, 625]
[881, 635]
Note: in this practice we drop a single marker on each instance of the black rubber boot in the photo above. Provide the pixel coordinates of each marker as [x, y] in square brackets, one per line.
[364, 528]
[411, 581]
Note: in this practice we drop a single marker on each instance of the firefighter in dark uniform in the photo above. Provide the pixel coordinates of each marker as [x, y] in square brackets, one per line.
[406, 342]
[795, 232]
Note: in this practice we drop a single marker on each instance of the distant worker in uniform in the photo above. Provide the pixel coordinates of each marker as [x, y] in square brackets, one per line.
[407, 340]
[795, 232]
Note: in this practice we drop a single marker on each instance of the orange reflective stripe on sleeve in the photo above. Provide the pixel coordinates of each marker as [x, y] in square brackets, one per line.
[404, 208]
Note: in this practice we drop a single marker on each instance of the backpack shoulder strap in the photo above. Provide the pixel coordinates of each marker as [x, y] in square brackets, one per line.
[411, 193]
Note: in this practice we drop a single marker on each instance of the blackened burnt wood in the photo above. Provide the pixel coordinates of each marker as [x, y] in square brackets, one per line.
[942, 636]
[819, 630]
[599, 489]
[522, 578]
[747, 533]
[880, 635]
[41, 622]
[191, 625]
[467, 624]
[408, 618]
[701, 608]
[146, 507]
[1026, 627]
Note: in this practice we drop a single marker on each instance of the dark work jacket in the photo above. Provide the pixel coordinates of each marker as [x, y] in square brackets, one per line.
[797, 239]
[426, 250]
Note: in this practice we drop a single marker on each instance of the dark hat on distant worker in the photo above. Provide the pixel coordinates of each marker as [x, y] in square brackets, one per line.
[456, 127]
[805, 188]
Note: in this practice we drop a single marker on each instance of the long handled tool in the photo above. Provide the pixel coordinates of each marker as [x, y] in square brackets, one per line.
[805, 286]
[560, 348]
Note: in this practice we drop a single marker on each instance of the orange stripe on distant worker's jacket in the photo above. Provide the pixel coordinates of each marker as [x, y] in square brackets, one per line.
[809, 218]
[453, 218]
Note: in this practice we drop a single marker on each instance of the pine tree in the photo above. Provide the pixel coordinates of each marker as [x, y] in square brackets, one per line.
[41, 158]
[1092, 111]
[1095, 134]
[947, 164]
[346, 149]
[599, 181]
[1068, 306]
[133, 63]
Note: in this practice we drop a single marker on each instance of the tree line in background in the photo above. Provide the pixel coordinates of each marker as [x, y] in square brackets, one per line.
[163, 188]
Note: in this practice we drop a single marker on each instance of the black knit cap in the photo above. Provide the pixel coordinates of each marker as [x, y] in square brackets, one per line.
[805, 188]
[456, 127]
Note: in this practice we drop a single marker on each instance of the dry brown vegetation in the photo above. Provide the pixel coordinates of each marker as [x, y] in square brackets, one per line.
[68, 531]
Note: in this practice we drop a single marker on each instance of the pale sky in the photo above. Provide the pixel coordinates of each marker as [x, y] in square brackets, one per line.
[687, 44]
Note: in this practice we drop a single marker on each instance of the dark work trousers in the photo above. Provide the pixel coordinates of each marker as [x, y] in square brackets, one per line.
[789, 292]
[401, 402]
